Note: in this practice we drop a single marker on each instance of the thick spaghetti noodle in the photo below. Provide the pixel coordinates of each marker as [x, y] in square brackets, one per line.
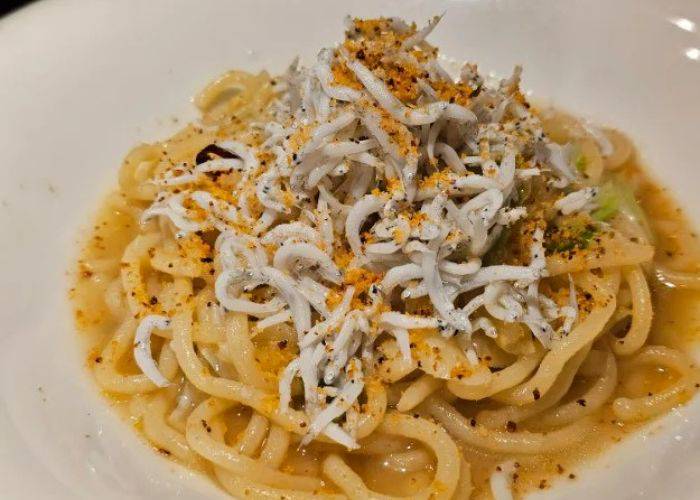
[365, 279]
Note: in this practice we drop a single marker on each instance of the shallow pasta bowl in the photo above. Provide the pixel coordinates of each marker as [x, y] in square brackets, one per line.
[83, 81]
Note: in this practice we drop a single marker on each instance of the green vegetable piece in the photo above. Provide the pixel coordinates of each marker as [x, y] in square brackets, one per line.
[608, 201]
[581, 163]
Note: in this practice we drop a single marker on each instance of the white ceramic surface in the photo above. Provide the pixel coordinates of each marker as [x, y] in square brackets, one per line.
[82, 81]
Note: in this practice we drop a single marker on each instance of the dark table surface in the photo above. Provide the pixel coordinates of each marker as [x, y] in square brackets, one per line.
[7, 6]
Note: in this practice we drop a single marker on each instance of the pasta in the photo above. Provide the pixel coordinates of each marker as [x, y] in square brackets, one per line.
[365, 279]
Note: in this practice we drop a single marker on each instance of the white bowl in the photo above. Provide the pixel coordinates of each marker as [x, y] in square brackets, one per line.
[84, 81]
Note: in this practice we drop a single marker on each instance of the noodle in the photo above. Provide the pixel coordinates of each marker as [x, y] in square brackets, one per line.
[235, 460]
[638, 331]
[593, 399]
[500, 417]
[241, 353]
[524, 442]
[446, 453]
[408, 461]
[500, 381]
[363, 279]
[648, 406]
[161, 434]
[109, 377]
[417, 392]
[554, 361]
